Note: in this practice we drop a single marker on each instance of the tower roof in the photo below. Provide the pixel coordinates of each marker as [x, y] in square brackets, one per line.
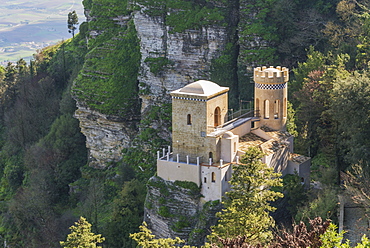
[202, 88]
[271, 75]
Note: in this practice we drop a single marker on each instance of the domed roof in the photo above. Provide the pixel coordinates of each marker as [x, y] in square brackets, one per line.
[201, 87]
[228, 134]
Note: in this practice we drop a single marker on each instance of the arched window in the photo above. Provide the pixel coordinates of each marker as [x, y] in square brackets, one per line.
[205, 180]
[276, 109]
[285, 108]
[266, 113]
[189, 119]
[226, 176]
[213, 177]
[217, 117]
[257, 107]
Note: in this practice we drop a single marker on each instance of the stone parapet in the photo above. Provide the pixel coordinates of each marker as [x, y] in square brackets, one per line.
[264, 75]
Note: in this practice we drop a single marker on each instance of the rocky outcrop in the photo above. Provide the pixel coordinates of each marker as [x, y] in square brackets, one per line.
[188, 55]
[105, 136]
[169, 60]
[173, 209]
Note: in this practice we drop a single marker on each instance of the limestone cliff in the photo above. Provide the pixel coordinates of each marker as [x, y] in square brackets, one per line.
[135, 58]
[172, 209]
[185, 56]
[105, 136]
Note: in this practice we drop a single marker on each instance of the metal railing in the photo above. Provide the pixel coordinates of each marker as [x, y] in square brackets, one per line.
[242, 113]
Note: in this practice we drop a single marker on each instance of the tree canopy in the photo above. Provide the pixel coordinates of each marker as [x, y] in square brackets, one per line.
[247, 205]
[72, 22]
[81, 236]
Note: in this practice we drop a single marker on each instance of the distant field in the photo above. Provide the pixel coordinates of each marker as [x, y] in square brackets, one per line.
[26, 26]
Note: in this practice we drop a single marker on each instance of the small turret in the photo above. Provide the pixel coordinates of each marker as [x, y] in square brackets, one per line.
[270, 94]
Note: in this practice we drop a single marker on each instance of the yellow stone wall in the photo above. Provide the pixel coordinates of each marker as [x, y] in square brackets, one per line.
[271, 86]
[192, 139]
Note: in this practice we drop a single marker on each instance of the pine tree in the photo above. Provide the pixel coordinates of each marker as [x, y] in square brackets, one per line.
[145, 239]
[72, 22]
[81, 236]
[247, 205]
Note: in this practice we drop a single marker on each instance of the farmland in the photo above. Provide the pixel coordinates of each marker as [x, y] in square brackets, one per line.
[26, 26]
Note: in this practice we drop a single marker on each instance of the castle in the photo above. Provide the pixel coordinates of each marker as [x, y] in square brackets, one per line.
[206, 144]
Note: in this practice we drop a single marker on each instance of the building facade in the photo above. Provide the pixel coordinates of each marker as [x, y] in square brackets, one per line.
[206, 144]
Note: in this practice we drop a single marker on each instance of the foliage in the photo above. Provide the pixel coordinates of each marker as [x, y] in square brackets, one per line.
[42, 148]
[164, 212]
[331, 238]
[295, 191]
[146, 239]
[247, 205]
[315, 124]
[324, 206]
[291, 125]
[128, 209]
[182, 15]
[72, 22]
[81, 236]
[224, 71]
[355, 181]
[301, 236]
[195, 190]
[108, 81]
[350, 108]
[157, 64]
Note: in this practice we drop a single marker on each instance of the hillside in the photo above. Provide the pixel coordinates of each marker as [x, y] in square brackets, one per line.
[28, 26]
[81, 125]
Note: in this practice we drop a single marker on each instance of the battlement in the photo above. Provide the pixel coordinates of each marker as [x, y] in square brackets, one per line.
[271, 75]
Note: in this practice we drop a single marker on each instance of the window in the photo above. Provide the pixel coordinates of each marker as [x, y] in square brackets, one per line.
[189, 119]
[226, 176]
[267, 110]
[257, 107]
[210, 155]
[217, 117]
[213, 177]
[276, 109]
[205, 180]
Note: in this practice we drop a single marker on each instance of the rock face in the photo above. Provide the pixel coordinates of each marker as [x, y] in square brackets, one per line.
[173, 210]
[105, 136]
[188, 55]
[169, 61]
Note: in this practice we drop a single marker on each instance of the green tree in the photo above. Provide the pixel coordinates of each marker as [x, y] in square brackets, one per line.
[331, 238]
[324, 206]
[247, 205]
[2, 73]
[351, 110]
[81, 236]
[145, 239]
[72, 22]
[128, 212]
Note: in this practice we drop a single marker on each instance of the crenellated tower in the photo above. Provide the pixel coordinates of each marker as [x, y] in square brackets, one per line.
[270, 96]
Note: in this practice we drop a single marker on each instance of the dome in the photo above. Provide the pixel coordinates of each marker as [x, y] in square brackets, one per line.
[227, 135]
[201, 87]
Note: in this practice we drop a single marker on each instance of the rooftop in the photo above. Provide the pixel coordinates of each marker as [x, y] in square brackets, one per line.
[201, 88]
[249, 140]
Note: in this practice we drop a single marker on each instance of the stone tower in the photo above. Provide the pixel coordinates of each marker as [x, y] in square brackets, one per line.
[270, 96]
[197, 110]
